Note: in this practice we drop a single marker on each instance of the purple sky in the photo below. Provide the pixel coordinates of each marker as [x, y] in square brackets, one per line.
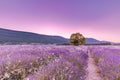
[99, 19]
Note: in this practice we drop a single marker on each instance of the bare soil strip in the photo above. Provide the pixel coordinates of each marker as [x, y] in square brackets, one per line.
[92, 69]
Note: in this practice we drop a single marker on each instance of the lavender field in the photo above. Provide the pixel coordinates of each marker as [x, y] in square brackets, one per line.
[51, 62]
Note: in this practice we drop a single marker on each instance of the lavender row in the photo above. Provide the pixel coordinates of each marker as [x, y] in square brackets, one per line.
[108, 60]
[19, 62]
[70, 66]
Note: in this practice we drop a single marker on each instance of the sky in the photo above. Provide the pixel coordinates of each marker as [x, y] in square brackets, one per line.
[99, 19]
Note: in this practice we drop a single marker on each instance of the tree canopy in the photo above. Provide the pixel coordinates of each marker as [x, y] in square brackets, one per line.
[77, 39]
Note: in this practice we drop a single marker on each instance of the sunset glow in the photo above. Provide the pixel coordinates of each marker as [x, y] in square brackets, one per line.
[99, 19]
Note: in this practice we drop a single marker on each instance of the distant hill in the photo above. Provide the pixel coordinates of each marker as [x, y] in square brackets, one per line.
[91, 41]
[18, 37]
[11, 36]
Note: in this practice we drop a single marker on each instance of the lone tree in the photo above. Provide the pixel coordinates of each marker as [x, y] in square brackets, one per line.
[77, 39]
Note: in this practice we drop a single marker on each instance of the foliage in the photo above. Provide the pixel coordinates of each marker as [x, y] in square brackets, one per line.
[77, 39]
